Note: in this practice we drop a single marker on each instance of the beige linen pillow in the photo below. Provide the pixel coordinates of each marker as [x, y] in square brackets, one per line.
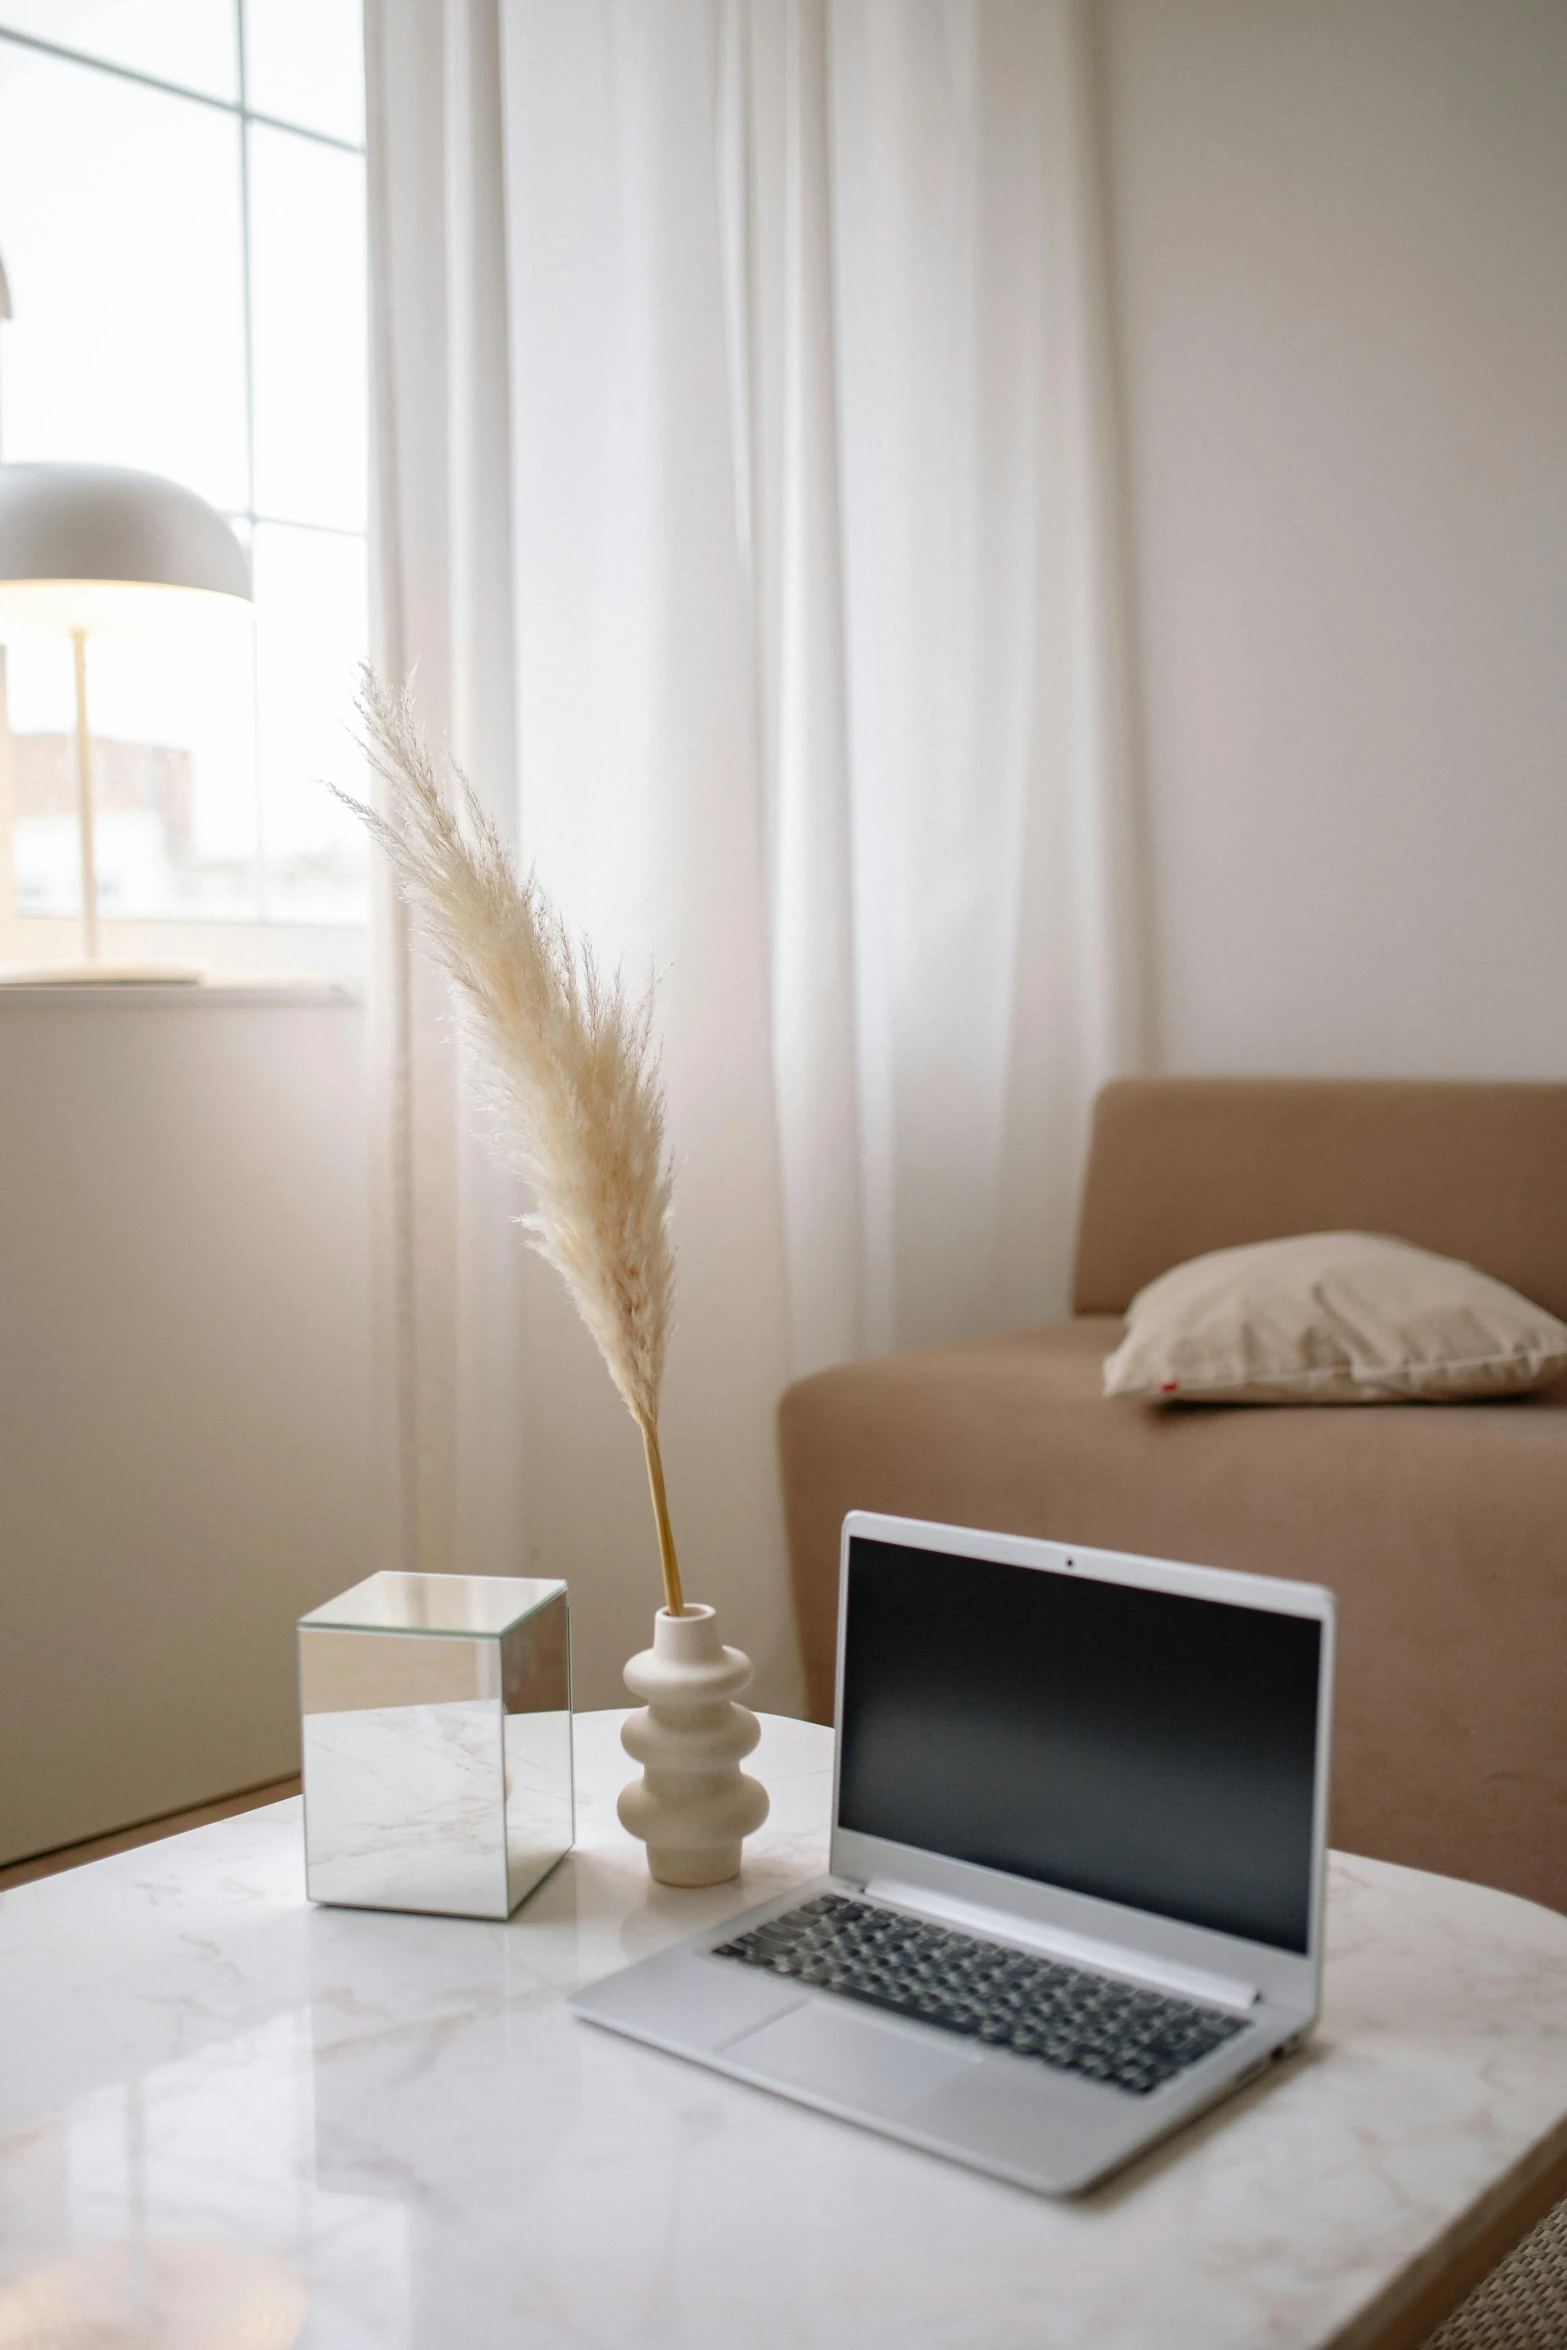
[1332, 1317]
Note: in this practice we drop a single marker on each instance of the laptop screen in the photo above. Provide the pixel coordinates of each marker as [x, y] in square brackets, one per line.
[1143, 1746]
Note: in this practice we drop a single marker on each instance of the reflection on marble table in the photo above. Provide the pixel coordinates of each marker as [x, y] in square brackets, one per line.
[398, 2111]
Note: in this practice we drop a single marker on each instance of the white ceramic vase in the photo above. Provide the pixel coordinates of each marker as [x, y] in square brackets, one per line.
[693, 1804]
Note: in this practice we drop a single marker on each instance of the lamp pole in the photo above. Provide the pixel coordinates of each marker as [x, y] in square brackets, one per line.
[84, 807]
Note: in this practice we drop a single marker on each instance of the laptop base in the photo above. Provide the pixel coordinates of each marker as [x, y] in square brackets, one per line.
[1049, 2131]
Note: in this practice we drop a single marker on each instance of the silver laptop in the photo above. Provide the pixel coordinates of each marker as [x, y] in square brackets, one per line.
[1076, 1875]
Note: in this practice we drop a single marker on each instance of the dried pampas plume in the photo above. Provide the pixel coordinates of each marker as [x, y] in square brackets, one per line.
[569, 1064]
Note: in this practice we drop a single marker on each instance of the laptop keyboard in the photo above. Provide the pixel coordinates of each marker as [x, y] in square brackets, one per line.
[1110, 2031]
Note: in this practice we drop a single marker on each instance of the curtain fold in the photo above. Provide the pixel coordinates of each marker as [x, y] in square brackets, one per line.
[448, 1334]
[756, 529]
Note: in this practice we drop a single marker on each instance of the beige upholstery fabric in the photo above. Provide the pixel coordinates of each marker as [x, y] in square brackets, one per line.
[1440, 1531]
[1332, 1317]
[1181, 1165]
[1444, 1533]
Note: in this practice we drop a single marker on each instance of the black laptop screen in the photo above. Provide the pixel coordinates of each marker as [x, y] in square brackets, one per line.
[1139, 1745]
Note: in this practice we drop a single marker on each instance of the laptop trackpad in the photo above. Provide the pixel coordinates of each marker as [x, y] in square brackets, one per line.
[854, 2059]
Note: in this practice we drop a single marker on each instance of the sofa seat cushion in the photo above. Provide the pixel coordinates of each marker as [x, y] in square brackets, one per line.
[1440, 1532]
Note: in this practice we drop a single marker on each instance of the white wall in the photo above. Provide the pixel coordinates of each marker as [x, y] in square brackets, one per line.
[184, 1388]
[1340, 245]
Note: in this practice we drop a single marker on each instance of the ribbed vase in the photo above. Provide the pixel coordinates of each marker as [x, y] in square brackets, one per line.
[693, 1804]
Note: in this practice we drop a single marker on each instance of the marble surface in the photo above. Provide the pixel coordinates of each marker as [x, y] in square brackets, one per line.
[203, 2076]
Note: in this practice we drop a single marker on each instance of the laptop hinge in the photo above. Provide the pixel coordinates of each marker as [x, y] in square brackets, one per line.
[1109, 1958]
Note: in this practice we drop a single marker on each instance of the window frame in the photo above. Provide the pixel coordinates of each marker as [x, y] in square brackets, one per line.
[261, 934]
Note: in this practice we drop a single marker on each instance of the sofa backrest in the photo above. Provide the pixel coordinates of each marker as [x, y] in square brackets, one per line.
[1179, 1165]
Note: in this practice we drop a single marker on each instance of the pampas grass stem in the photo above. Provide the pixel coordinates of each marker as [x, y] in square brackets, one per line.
[568, 1063]
[673, 1599]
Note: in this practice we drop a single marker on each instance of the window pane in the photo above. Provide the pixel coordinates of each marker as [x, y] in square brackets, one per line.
[43, 774]
[120, 227]
[174, 797]
[191, 42]
[307, 216]
[310, 631]
[304, 63]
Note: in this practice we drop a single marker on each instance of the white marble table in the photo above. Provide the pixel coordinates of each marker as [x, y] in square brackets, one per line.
[399, 2112]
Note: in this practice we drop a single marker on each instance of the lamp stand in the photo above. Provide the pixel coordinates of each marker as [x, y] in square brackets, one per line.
[84, 806]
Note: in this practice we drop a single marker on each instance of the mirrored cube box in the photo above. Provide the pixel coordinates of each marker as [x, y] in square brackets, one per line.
[436, 1729]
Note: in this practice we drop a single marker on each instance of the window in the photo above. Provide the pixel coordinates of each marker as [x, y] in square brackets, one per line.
[182, 223]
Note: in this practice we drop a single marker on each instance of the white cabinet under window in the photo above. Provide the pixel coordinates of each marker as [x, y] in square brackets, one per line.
[184, 1388]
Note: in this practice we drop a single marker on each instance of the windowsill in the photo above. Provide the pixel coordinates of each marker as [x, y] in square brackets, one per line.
[264, 960]
[204, 995]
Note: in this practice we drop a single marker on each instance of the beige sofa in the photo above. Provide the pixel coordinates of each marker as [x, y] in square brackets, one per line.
[1442, 1528]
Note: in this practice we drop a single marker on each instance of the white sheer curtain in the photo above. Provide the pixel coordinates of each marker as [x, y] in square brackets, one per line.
[801, 677]
[448, 1315]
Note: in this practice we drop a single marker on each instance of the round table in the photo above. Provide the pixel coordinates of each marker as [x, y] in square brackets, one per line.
[401, 2110]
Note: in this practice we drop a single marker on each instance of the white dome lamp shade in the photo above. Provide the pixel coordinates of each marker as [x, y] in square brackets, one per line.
[88, 550]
